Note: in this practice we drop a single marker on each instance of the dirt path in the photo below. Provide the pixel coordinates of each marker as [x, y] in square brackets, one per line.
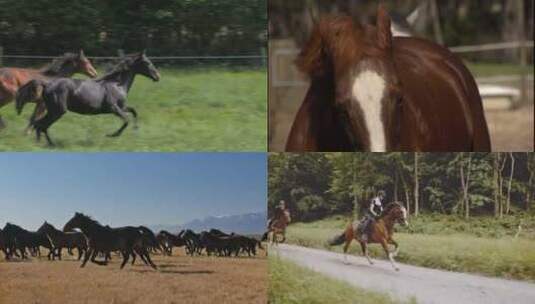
[180, 279]
[424, 284]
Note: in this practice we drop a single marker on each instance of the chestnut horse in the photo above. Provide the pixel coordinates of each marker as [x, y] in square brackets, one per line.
[11, 79]
[373, 92]
[278, 227]
[381, 232]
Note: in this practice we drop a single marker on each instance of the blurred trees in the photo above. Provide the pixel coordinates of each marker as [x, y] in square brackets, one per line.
[165, 27]
[467, 184]
[459, 22]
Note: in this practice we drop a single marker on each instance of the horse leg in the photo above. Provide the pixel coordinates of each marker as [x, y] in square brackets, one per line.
[59, 253]
[42, 125]
[120, 113]
[134, 113]
[396, 249]
[37, 113]
[346, 247]
[80, 252]
[126, 256]
[86, 256]
[133, 257]
[389, 254]
[364, 247]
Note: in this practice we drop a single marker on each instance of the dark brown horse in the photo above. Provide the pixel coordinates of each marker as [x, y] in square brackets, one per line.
[381, 232]
[373, 92]
[11, 79]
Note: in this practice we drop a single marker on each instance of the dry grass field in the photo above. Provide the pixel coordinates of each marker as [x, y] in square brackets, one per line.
[180, 279]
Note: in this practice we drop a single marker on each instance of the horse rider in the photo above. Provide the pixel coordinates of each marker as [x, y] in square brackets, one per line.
[280, 212]
[373, 211]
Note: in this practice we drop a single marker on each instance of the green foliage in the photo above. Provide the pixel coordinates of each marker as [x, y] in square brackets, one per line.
[165, 27]
[188, 110]
[338, 180]
[289, 283]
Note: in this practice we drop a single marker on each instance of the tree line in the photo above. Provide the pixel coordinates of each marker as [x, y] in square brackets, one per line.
[166, 27]
[315, 185]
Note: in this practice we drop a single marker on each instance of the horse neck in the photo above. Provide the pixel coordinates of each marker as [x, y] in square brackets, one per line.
[89, 227]
[65, 70]
[388, 222]
[125, 78]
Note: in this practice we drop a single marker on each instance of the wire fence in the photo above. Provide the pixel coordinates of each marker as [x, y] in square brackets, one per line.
[254, 60]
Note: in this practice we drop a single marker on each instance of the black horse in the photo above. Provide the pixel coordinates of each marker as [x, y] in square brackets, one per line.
[104, 95]
[193, 242]
[21, 239]
[60, 240]
[4, 245]
[127, 240]
[169, 240]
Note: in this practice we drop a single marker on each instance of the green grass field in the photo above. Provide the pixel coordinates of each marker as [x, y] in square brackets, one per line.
[289, 283]
[505, 257]
[188, 110]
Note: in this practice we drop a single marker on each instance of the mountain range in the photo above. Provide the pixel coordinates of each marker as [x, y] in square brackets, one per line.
[248, 223]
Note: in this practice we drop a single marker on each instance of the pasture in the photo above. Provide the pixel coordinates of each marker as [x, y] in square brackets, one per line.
[179, 279]
[208, 109]
[444, 248]
[290, 283]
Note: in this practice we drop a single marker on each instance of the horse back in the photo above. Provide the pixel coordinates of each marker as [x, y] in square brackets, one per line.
[441, 99]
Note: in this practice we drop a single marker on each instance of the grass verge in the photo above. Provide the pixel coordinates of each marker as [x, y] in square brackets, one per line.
[290, 283]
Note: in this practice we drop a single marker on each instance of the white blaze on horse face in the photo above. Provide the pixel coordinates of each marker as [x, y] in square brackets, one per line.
[368, 90]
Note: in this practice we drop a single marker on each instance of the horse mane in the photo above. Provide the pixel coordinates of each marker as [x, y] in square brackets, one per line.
[57, 64]
[389, 207]
[123, 66]
[91, 220]
[337, 42]
[16, 227]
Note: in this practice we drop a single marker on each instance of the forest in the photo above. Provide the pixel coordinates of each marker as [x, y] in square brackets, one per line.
[316, 185]
[166, 27]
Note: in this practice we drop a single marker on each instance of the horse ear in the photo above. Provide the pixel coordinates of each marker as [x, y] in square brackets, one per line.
[81, 53]
[144, 52]
[384, 33]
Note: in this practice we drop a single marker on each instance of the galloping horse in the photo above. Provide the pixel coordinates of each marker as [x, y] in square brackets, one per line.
[11, 79]
[59, 240]
[128, 240]
[277, 227]
[381, 232]
[373, 92]
[105, 95]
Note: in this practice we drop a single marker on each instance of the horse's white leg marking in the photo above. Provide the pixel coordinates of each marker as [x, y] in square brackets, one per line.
[391, 258]
[368, 90]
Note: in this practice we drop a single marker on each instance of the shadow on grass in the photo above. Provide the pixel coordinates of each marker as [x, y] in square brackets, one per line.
[174, 271]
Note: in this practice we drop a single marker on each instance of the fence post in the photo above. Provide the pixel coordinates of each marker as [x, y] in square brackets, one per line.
[263, 54]
[523, 52]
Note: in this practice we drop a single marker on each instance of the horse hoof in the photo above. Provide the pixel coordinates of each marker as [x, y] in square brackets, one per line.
[112, 135]
[397, 269]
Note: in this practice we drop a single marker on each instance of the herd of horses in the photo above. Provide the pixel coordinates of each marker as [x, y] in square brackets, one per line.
[54, 92]
[96, 242]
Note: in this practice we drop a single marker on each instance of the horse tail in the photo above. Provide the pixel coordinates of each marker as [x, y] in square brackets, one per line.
[29, 92]
[338, 239]
[264, 236]
[259, 243]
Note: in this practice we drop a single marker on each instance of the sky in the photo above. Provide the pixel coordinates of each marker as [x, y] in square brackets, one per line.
[129, 188]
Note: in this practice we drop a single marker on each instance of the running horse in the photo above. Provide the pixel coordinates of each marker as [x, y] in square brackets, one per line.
[277, 227]
[11, 79]
[373, 92]
[381, 232]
